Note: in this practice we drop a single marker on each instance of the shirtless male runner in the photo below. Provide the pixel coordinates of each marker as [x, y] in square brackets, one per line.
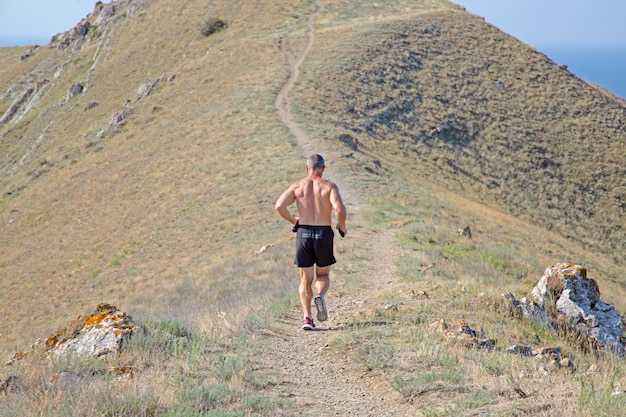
[315, 199]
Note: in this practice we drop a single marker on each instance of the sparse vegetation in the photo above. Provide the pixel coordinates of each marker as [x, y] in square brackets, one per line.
[453, 111]
[212, 25]
[204, 376]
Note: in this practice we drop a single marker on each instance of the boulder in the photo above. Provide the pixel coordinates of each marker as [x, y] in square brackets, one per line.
[82, 29]
[106, 14]
[146, 88]
[577, 299]
[100, 334]
[75, 89]
[350, 141]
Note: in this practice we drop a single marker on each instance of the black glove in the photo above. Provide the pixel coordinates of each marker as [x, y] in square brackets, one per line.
[342, 234]
[295, 226]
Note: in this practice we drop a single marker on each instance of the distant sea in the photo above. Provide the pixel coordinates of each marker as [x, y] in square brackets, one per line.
[24, 40]
[604, 65]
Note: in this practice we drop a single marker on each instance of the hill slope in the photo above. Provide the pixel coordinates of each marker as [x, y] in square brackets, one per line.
[153, 187]
[107, 193]
[464, 104]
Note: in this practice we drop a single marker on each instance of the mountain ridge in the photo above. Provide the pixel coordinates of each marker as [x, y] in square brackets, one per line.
[441, 150]
[159, 201]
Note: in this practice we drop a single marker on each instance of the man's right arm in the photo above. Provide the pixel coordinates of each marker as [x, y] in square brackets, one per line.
[284, 201]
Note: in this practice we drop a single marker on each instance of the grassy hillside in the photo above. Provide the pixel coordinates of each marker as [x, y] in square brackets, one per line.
[464, 104]
[176, 189]
[153, 188]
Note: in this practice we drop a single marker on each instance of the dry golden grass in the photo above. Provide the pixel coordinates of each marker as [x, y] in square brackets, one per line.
[458, 101]
[162, 215]
[134, 214]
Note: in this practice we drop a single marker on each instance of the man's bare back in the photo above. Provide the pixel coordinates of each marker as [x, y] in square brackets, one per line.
[315, 200]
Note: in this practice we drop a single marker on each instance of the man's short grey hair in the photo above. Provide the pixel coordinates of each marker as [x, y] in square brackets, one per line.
[315, 161]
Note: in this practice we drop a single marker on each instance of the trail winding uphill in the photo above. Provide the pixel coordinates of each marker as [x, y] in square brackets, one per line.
[321, 383]
[282, 99]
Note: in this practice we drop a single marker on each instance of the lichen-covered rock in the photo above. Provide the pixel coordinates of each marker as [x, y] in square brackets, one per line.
[464, 336]
[529, 309]
[135, 7]
[98, 334]
[146, 88]
[520, 350]
[577, 297]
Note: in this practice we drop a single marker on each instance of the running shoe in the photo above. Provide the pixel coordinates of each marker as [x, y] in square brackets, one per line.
[308, 324]
[320, 304]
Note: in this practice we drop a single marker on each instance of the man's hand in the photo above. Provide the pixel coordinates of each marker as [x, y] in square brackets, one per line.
[295, 226]
[342, 231]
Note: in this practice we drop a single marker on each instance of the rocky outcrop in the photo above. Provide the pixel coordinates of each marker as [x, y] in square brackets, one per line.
[118, 118]
[577, 298]
[463, 335]
[15, 106]
[95, 24]
[528, 309]
[100, 334]
[146, 88]
[577, 304]
[135, 7]
[551, 353]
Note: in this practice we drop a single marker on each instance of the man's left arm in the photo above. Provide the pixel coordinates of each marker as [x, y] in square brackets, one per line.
[340, 209]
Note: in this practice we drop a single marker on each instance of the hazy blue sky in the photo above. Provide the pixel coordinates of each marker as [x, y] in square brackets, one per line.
[40, 19]
[545, 22]
[535, 22]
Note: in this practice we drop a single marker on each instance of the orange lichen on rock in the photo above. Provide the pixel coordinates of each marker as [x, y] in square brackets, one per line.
[126, 370]
[572, 270]
[52, 341]
[100, 333]
[95, 319]
[17, 357]
[577, 301]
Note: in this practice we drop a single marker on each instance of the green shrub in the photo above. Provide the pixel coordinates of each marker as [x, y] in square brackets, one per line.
[167, 337]
[212, 25]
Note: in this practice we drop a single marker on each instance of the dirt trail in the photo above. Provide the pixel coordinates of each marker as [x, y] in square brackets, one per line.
[282, 103]
[321, 383]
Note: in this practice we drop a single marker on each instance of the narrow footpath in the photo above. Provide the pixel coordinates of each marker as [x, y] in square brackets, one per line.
[318, 381]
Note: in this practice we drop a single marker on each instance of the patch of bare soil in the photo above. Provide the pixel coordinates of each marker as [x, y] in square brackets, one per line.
[317, 380]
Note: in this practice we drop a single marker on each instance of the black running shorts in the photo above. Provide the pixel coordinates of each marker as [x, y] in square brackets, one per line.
[314, 245]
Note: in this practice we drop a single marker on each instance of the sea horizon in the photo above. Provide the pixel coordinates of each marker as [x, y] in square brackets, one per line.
[16, 41]
[604, 65]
